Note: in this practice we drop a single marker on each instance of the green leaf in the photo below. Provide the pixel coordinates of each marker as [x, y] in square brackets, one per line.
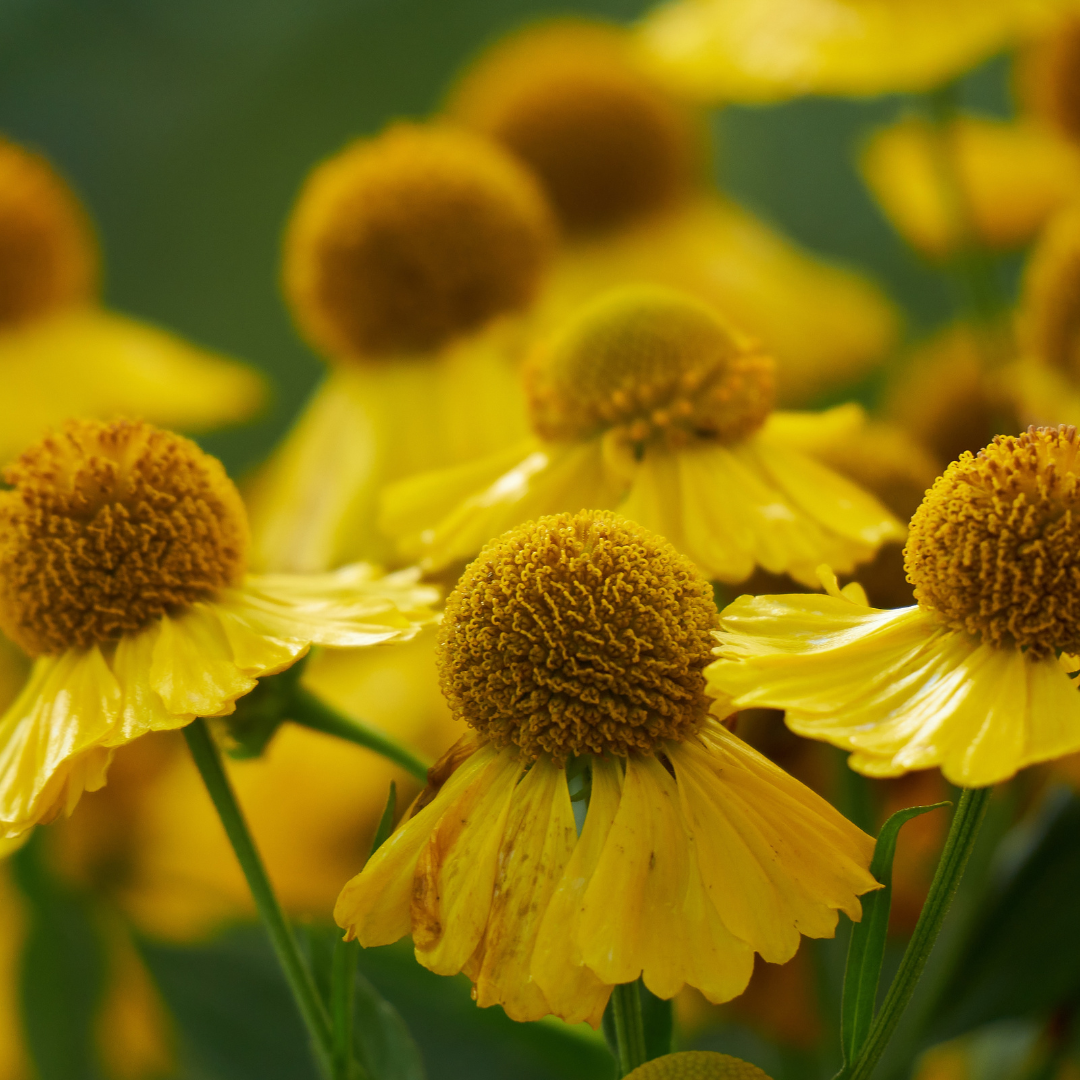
[384, 1045]
[866, 950]
[386, 822]
[62, 971]
[1022, 957]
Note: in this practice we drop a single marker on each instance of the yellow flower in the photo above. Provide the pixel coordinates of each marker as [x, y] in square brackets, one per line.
[650, 404]
[623, 164]
[63, 355]
[769, 50]
[1013, 176]
[1045, 77]
[975, 677]
[697, 1065]
[122, 571]
[405, 256]
[574, 646]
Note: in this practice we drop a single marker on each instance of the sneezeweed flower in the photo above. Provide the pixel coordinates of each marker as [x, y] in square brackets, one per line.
[123, 554]
[697, 1065]
[623, 163]
[405, 259]
[754, 51]
[1013, 175]
[649, 403]
[975, 678]
[61, 353]
[574, 647]
[1045, 78]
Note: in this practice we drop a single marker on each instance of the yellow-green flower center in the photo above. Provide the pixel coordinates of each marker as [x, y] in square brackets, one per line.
[578, 634]
[608, 144]
[994, 549]
[654, 364]
[47, 257]
[108, 527]
[404, 242]
[697, 1065]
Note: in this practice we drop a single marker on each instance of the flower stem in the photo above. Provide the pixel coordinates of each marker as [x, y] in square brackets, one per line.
[208, 762]
[629, 1027]
[342, 987]
[958, 846]
[309, 711]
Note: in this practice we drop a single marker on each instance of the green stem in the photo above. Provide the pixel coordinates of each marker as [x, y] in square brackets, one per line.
[958, 845]
[629, 1027]
[208, 762]
[342, 988]
[306, 709]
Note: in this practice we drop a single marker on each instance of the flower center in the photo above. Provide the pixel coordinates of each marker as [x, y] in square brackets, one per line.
[697, 1065]
[109, 527]
[1050, 307]
[994, 549]
[654, 364]
[406, 241]
[607, 143]
[578, 634]
[47, 258]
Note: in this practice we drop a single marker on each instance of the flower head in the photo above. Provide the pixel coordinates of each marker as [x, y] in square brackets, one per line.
[697, 1065]
[608, 144]
[404, 242]
[122, 569]
[654, 365]
[574, 648]
[975, 677]
[1046, 72]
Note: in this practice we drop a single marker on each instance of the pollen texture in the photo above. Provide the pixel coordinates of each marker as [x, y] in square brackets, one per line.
[578, 634]
[403, 242]
[608, 144]
[47, 255]
[654, 364]
[994, 549]
[110, 526]
[697, 1065]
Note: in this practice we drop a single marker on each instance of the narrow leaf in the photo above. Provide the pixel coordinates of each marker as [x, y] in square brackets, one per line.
[867, 948]
[384, 1045]
[386, 822]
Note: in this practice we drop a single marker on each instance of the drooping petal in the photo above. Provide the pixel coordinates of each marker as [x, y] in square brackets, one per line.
[537, 844]
[895, 687]
[374, 907]
[558, 967]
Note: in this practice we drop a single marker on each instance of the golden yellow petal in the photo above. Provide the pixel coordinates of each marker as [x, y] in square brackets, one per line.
[539, 838]
[558, 966]
[374, 906]
[1014, 174]
[825, 325]
[552, 480]
[93, 363]
[378, 423]
[769, 50]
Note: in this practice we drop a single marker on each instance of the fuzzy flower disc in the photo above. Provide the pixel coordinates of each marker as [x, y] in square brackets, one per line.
[655, 364]
[404, 242]
[994, 549]
[697, 1065]
[578, 634]
[110, 526]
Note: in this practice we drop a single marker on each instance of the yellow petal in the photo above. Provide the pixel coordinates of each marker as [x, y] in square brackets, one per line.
[539, 838]
[455, 874]
[895, 687]
[374, 907]
[1014, 175]
[552, 480]
[378, 423]
[825, 325]
[768, 50]
[573, 991]
[93, 363]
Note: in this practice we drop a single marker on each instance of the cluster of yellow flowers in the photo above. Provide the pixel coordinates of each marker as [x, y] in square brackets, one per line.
[561, 420]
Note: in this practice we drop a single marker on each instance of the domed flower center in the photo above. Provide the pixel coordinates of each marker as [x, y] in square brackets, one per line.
[994, 549]
[578, 634]
[608, 144]
[654, 364]
[109, 527]
[697, 1065]
[404, 242]
[47, 257]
